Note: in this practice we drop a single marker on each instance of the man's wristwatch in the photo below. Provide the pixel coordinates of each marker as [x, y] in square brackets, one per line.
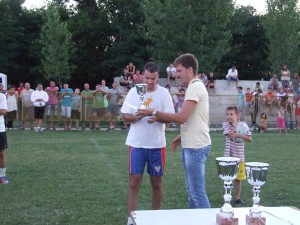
[154, 113]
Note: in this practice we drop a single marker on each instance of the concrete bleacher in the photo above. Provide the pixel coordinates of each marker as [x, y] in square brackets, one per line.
[224, 97]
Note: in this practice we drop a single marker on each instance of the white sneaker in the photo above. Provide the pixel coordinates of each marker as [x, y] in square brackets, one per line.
[37, 129]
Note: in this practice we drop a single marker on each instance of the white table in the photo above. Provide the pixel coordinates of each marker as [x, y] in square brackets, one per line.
[274, 216]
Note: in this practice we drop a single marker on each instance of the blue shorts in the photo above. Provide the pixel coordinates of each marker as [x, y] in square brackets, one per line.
[154, 157]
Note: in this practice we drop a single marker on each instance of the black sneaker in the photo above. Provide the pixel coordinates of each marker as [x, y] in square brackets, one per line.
[239, 202]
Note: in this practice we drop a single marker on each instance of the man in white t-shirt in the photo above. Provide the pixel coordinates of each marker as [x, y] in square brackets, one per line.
[194, 130]
[171, 72]
[147, 142]
[232, 75]
[3, 139]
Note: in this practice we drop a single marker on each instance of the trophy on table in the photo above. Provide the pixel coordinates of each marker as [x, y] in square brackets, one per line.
[227, 171]
[141, 90]
[256, 175]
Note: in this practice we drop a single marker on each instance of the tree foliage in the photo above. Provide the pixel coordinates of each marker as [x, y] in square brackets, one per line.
[198, 27]
[57, 47]
[282, 24]
[248, 46]
[129, 44]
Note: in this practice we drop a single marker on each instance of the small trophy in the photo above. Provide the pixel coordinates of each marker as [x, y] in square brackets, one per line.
[227, 171]
[141, 90]
[256, 175]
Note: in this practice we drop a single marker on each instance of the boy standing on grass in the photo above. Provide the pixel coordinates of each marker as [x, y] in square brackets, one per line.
[3, 139]
[236, 133]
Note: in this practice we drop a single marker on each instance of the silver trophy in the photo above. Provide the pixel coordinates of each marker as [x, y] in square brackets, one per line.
[227, 171]
[141, 90]
[256, 175]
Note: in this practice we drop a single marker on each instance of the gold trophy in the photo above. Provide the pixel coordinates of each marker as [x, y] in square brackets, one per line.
[227, 171]
[141, 90]
[256, 175]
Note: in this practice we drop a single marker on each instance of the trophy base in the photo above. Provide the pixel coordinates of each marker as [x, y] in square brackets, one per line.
[227, 221]
[250, 220]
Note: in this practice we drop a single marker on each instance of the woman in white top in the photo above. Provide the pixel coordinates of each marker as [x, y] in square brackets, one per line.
[285, 76]
[12, 106]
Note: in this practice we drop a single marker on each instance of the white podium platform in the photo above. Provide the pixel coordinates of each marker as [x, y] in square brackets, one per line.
[274, 216]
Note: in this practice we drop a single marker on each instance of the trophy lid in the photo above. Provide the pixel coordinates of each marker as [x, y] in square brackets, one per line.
[256, 164]
[228, 159]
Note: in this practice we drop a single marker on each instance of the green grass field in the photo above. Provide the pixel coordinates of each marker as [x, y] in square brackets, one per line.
[81, 177]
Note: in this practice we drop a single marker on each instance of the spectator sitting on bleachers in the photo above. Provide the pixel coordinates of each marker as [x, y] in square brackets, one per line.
[285, 76]
[258, 86]
[274, 83]
[203, 78]
[126, 79]
[280, 95]
[171, 73]
[137, 77]
[211, 82]
[270, 100]
[176, 97]
[232, 75]
[131, 68]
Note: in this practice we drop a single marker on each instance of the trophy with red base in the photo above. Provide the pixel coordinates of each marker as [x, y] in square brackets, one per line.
[227, 171]
[256, 175]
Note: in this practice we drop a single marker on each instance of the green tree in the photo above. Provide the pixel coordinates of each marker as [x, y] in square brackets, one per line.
[57, 47]
[127, 26]
[282, 24]
[91, 33]
[248, 45]
[196, 26]
[11, 35]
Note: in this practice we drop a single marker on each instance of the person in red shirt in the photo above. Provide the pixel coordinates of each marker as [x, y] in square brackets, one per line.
[248, 100]
[20, 88]
[269, 100]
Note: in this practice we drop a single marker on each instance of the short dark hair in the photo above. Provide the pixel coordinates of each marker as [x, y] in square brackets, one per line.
[152, 67]
[234, 108]
[240, 87]
[188, 60]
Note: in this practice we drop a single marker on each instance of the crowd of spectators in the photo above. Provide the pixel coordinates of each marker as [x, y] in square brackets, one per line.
[285, 94]
[89, 107]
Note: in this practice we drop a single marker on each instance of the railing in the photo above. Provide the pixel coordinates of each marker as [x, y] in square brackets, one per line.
[217, 105]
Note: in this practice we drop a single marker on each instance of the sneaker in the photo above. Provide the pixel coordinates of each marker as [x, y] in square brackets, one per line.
[239, 202]
[37, 129]
[4, 180]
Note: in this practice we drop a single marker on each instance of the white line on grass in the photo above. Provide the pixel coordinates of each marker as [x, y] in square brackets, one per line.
[116, 173]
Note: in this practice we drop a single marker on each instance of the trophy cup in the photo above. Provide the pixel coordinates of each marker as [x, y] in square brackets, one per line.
[141, 90]
[256, 175]
[227, 171]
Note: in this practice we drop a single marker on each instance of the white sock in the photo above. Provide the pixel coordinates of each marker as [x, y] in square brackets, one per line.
[2, 172]
[129, 222]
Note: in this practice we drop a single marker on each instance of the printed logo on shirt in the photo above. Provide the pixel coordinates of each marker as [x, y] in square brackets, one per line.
[147, 102]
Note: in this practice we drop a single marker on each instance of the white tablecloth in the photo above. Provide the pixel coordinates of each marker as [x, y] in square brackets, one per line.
[274, 216]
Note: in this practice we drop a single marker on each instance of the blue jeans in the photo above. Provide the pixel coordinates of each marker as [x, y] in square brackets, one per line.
[194, 166]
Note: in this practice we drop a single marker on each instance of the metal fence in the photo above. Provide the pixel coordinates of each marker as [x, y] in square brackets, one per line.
[217, 105]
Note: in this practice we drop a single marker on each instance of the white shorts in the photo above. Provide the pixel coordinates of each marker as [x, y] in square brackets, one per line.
[66, 111]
